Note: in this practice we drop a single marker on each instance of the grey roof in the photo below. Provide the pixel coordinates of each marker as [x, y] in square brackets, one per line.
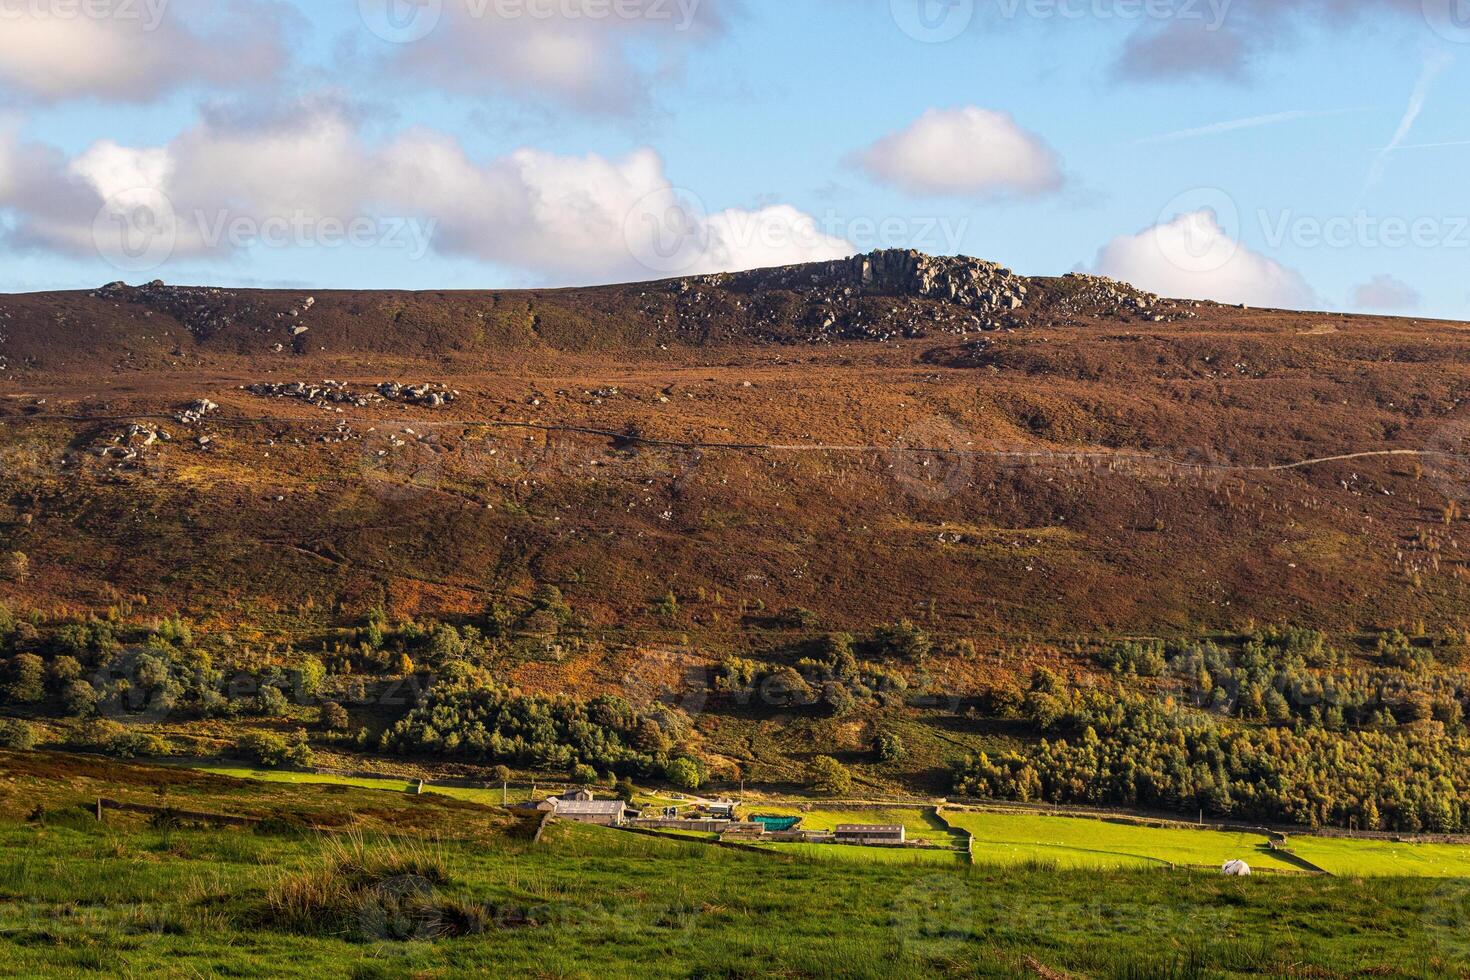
[590, 808]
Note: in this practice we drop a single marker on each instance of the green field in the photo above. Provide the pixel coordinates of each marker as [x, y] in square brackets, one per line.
[1068, 842]
[919, 822]
[440, 887]
[1383, 858]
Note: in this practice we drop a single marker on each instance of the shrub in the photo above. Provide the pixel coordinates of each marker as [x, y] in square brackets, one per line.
[830, 776]
[904, 641]
[131, 745]
[888, 747]
[264, 748]
[684, 774]
[271, 703]
[334, 717]
[17, 735]
[385, 891]
[79, 699]
[15, 566]
[26, 680]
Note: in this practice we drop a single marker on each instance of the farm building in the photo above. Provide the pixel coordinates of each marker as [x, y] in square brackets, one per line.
[604, 813]
[881, 834]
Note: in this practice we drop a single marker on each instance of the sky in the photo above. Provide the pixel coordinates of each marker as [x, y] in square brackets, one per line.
[1299, 153]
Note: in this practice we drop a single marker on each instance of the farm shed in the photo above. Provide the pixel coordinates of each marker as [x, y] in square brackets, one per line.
[604, 813]
[883, 834]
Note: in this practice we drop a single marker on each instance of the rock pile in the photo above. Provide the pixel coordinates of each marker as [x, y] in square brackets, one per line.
[129, 444]
[428, 395]
[196, 411]
[204, 311]
[882, 294]
[332, 395]
[1101, 296]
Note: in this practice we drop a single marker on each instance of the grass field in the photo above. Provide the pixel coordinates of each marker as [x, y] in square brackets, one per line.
[128, 897]
[1067, 842]
[919, 822]
[844, 854]
[1384, 858]
[486, 797]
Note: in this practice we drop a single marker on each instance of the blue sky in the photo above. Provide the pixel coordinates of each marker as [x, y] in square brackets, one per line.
[1227, 152]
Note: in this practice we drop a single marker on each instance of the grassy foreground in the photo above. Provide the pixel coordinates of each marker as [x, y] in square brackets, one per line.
[426, 886]
[78, 899]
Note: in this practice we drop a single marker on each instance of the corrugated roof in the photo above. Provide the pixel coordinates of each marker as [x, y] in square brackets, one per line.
[588, 808]
[859, 828]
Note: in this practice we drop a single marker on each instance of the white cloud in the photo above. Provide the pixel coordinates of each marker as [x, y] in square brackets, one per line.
[141, 49]
[1192, 257]
[964, 152]
[562, 218]
[590, 55]
[1387, 294]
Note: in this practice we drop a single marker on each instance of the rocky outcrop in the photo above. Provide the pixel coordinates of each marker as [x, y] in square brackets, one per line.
[333, 394]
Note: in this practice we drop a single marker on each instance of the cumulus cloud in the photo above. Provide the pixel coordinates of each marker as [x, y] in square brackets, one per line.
[562, 218]
[591, 55]
[139, 50]
[1193, 257]
[1387, 294]
[964, 152]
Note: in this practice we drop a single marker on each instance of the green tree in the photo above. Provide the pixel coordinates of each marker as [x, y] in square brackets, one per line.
[79, 699]
[903, 640]
[17, 735]
[888, 747]
[26, 681]
[683, 773]
[830, 777]
[334, 717]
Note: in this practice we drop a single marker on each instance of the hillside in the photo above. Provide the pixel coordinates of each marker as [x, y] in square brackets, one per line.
[844, 438]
